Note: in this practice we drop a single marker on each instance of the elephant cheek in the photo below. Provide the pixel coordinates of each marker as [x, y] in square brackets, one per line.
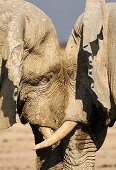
[46, 120]
[49, 116]
[43, 113]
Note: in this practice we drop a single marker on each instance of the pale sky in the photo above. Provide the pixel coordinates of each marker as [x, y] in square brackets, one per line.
[63, 13]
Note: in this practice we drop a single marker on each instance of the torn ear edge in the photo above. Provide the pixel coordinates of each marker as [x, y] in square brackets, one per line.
[92, 22]
[14, 48]
[12, 55]
[93, 28]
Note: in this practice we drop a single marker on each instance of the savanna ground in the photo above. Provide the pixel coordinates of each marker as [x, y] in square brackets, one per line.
[16, 149]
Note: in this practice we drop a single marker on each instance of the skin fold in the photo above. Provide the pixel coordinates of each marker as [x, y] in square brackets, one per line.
[49, 90]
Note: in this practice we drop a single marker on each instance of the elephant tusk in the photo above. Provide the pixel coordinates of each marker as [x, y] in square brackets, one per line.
[64, 130]
[46, 132]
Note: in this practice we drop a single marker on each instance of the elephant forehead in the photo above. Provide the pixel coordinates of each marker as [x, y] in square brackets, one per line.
[38, 66]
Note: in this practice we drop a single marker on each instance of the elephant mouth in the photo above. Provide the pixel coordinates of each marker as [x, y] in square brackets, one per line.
[49, 135]
[52, 138]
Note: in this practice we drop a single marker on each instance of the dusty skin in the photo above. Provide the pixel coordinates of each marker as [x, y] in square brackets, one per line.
[16, 149]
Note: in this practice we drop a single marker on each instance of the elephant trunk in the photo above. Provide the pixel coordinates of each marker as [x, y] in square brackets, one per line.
[80, 146]
[65, 129]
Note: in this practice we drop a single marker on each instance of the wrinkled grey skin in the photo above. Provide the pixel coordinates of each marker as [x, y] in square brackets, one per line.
[52, 89]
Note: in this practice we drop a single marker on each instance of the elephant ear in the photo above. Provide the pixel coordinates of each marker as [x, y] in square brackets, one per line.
[87, 46]
[15, 48]
[94, 42]
[11, 70]
[92, 22]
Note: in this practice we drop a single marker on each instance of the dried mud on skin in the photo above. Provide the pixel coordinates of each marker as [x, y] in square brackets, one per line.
[16, 149]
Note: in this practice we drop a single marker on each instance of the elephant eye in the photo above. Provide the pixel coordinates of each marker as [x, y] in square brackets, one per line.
[45, 79]
[38, 81]
[42, 80]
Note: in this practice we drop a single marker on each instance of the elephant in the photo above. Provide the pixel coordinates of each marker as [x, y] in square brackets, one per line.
[69, 101]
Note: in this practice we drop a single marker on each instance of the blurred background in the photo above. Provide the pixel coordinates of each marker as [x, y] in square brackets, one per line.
[16, 142]
[63, 13]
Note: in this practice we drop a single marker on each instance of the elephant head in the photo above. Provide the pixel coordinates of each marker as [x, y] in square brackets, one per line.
[32, 79]
[34, 63]
[55, 93]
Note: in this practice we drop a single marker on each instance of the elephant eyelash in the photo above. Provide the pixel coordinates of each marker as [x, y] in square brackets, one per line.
[40, 81]
[56, 71]
[45, 79]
